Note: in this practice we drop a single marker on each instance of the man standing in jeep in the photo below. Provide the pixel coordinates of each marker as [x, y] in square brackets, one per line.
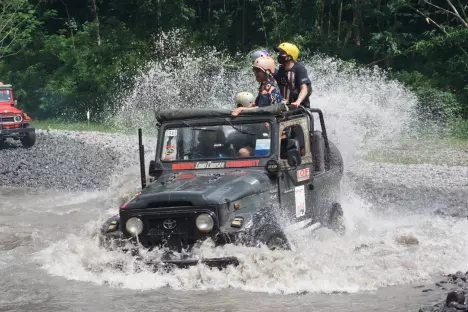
[292, 78]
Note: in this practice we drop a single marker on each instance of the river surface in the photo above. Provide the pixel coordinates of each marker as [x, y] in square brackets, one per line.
[47, 256]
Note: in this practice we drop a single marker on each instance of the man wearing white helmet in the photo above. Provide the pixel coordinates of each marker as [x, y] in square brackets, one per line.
[245, 99]
[268, 91]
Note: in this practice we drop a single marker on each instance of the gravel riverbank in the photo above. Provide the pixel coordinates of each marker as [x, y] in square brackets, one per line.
[68, 160]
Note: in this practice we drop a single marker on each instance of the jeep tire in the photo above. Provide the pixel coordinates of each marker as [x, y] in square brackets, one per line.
[336, 219]
[273, 238]
[30, 137]
[336, 160]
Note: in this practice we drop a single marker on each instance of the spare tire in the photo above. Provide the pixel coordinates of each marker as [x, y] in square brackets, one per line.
[336, 160]
[318, 151]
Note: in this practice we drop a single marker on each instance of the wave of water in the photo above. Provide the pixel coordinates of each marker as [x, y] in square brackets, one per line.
[376, 252]
[362, 108]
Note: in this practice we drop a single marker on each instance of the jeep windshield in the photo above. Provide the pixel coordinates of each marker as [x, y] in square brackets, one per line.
[5, 95]
[216, 142]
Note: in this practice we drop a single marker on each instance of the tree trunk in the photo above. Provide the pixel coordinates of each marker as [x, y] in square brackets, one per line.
[356, 22]
[69, 25]
[97, 23]
[243, 22]
[209, 21]
[340, 12]
[329, 21]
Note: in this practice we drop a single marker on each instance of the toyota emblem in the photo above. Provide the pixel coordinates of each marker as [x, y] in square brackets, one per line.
[169, 224]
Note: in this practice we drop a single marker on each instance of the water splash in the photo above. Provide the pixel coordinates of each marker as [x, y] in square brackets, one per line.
[362, 108]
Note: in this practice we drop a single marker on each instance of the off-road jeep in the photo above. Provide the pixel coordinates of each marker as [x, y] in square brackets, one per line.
[232, 179]
[14, 123]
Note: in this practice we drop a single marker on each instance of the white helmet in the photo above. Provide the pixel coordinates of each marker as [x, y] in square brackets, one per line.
[244, 99]
[255, 55]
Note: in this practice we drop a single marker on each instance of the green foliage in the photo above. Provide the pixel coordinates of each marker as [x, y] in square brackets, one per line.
[18, 22]
[68, 57]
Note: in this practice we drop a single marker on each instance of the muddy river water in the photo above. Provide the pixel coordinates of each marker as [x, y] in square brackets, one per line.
[49, 261]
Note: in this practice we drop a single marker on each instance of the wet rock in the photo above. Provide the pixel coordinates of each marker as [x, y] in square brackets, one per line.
[456, 300]
[458, 306]
[407, 240]
[455, 296]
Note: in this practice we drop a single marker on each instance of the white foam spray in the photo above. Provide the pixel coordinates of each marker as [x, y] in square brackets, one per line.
[362, 108]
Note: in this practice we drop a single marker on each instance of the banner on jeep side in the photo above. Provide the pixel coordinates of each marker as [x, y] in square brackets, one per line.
[216, 164]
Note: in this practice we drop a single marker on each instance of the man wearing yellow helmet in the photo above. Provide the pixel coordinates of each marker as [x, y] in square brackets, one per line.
[292, 77]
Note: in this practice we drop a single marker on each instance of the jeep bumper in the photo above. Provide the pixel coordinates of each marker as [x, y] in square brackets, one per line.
[210, 262]
[16, 132]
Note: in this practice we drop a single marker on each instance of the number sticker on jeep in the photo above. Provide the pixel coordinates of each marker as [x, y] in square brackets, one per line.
[300, 201]
[171, 133]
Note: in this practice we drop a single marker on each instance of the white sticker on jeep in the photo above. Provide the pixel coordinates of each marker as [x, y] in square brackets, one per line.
[262, 147]
[300, 201]
[171, 133]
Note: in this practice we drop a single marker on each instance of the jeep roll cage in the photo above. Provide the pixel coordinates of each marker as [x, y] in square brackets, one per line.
[281, 112]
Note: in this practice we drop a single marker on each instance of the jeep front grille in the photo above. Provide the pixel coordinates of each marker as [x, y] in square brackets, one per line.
[7, 119]
[170, 226]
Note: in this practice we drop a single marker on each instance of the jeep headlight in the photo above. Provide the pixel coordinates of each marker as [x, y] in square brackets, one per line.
[18, 118]
[134, 226]
[204, 223]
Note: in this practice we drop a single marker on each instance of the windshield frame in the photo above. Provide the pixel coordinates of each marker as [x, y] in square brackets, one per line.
[217, 122]
[11, 95]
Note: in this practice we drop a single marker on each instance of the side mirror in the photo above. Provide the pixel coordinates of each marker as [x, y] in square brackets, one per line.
[294, 156]
[15, 103]
[155, 169]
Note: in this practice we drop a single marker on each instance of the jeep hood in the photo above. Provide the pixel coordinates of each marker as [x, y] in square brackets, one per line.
[6, 108]
[201, 188]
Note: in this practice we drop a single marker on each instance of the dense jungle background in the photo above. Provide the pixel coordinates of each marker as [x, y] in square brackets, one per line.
[66, 56]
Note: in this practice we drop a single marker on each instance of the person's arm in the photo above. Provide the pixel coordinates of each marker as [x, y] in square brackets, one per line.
[238, 110]
[302, 95]
[303, 79]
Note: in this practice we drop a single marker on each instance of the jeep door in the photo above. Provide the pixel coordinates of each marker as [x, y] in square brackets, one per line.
[296, 184]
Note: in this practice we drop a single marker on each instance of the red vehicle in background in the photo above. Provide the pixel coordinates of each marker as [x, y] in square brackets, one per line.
[14, 123]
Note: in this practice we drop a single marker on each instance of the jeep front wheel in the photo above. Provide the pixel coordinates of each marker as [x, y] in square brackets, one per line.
[30, 137]
[273, 238]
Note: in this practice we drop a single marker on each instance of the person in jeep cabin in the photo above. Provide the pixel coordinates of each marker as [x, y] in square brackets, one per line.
[268, 91]
[292, 77]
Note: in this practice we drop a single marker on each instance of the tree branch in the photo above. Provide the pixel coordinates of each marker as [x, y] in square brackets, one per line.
[462, 9]
[440, 27]
[457, 14]
[438, 7]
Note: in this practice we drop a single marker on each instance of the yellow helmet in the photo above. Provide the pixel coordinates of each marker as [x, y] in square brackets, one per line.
[290, 50]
